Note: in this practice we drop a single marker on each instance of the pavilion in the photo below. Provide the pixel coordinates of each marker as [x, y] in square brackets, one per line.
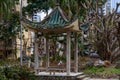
[56, 23]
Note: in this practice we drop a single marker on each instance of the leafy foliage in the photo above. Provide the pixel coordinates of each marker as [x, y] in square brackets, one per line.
[37, 6]
[73, 8]
[9, 31]
[6, 7]
[16, 73]
[102, 72]
[91, 12]
[8, 62]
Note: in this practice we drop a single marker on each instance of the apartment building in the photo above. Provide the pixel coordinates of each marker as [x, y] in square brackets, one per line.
[27, 39]
[110, 5]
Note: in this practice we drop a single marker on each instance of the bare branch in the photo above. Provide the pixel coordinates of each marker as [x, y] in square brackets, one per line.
[84, 5]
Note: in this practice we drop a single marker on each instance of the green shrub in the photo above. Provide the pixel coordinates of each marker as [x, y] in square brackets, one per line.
[101, 71]
[3, 77]
[16, 73]
[32, 57]
[8, 62]
[63, 58]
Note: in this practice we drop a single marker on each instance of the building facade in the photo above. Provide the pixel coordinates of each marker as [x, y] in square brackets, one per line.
[110, 5]
[27, 39]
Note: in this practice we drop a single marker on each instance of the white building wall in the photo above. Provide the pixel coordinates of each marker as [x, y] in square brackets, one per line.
[114, 2]
[110, 5]
[36, 18]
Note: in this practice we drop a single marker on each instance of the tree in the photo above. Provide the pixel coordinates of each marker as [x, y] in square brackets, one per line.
[73, 8]
[106, 41]
[37, 6]
[91, 12]
[8, 34]
[6, 7]
[9, 20]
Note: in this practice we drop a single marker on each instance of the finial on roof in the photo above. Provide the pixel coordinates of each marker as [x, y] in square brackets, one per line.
[57, 2]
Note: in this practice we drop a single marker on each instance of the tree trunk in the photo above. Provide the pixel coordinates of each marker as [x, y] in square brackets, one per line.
[15, 49]
[5, 50]
[118, 33]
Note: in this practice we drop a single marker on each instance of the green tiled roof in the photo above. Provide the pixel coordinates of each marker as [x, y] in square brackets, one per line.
[56, 19]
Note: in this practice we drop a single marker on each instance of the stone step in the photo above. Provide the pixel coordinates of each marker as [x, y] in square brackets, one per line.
[86, 78]
[83, 77]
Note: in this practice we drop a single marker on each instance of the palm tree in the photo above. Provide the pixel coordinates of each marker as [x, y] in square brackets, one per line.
[6, 7]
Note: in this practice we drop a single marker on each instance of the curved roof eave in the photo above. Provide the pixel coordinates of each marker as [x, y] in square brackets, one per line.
[72, 27]
[56, 20]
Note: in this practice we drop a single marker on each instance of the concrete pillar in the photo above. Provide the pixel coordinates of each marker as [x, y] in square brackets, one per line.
[76, 53]
[68, 53]
[36, 55]
[47, 53]
[45, 45]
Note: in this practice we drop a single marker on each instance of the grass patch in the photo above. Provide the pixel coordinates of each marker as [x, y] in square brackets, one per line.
[102, 72]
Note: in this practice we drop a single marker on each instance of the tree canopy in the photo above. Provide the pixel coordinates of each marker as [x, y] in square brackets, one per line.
[73, 8]
[106, 27]
[8, 33]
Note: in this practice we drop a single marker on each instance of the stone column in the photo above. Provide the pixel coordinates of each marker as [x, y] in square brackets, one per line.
[68, 53]
[76, 53]
[44, 44]
[36, 55]
[47, 53]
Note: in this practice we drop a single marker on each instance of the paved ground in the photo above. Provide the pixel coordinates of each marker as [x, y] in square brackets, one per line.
[102, 79]
[81, 75]
[58, 74]
[86, 77]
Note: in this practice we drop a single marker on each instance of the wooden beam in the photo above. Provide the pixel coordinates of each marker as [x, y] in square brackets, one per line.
[68, 53]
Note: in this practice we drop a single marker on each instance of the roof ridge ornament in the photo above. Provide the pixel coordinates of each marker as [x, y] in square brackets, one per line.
[57, 2]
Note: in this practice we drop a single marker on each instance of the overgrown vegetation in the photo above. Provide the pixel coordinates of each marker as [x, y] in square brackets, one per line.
[102, 72]
[10, 62]
[16, 73]
[105, 28]
[8, 34]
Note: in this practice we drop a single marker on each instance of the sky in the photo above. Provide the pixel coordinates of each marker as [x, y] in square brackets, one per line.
[113, 5]
[43, 14]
